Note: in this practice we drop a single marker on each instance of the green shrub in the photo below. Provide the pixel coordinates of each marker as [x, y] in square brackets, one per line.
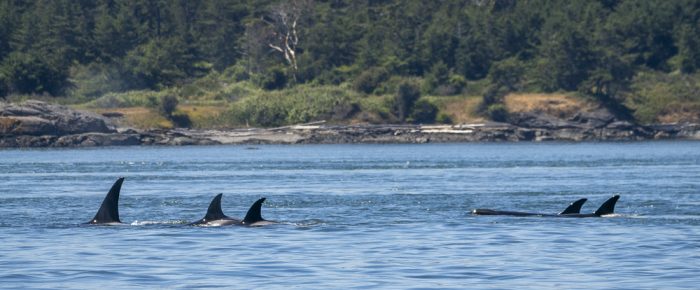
[444, 118]
[273, 79]
[405, 97]
[424, 112]
[494, 95]
[181, 120]
[656, 93]
[497, 112]
[367, 81]
[167, 106]
[237, 73]
[300, 104]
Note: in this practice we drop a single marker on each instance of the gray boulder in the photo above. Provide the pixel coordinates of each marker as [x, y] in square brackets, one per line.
[38, 118]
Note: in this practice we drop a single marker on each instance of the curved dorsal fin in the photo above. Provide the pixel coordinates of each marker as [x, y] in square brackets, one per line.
[574, 207]
[254, 213]
[214, 212]
[608, 207]
[109, 210]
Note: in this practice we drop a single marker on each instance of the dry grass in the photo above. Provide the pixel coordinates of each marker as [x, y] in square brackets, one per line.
[461, 110]
[145, 118]
[205, 116]
[680, 113]
[559, 105]
[137, 117]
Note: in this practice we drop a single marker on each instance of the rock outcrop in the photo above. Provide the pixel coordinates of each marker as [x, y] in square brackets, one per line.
[35, 118]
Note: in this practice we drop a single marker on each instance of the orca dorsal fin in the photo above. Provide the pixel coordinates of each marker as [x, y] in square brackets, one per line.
[109, 210]
[574, 207]
[214, 211]
[254, 213]
[608, 207]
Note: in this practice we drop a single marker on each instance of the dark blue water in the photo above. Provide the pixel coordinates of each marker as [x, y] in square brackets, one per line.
[354, 216]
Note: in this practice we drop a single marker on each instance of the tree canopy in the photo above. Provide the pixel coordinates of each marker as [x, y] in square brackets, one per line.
[544, 45]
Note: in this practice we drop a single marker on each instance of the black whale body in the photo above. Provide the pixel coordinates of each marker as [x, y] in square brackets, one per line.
[574, 210]
[216, 217]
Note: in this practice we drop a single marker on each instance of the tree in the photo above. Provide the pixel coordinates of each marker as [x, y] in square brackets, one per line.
[284, 21]
[688, 48]
[404, 99]
[27, 73]
[167, 106]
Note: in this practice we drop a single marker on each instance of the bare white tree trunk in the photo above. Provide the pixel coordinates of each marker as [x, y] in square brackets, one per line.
[284, 19]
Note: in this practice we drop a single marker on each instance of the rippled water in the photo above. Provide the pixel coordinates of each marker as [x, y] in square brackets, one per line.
[354, 216]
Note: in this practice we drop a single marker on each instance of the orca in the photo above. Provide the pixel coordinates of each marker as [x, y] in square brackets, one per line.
[607, 208]
[108, 214]
[573, 210]
[216, 217]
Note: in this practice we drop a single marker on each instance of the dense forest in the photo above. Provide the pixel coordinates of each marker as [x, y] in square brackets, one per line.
[88, 48]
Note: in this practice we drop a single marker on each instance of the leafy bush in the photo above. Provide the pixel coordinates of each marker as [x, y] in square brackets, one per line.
[237, 72]
[300, 104]
[497, 112]
[404, 99]
[424, 112]
[273, 79]
[659, 97]
[167, 106]
[443, 118]
[181, 120]
[370, 79]
[494, 95]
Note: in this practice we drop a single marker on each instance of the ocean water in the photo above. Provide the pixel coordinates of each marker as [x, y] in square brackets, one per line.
[354, 216]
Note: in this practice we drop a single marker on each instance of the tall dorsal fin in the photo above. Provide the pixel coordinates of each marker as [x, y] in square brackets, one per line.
[254, 214]
[608, 207]
[574, 207]
[109, 210]
[214, 212]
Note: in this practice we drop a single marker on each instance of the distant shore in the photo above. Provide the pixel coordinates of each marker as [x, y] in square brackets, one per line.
[38, 124]
[361, 134]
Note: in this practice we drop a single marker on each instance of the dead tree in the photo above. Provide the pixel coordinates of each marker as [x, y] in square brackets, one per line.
[284, 20]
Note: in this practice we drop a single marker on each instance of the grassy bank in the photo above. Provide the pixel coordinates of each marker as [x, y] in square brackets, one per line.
[219, 101]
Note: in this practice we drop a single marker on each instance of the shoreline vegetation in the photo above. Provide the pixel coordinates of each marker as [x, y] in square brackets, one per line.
[165, 72]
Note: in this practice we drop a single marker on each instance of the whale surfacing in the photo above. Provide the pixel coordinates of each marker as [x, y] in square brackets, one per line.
[108, 214]
[216, 217]
[573, 210]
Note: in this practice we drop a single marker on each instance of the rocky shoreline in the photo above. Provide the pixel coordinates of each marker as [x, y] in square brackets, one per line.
[38, 124]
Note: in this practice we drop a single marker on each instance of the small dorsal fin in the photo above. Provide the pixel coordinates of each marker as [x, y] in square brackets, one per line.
[109, 210]
[254, 213]
[214, 212]
[608, 207]
[574, 207]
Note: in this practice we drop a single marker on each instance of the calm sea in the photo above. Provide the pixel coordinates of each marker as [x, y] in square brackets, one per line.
[354, 216]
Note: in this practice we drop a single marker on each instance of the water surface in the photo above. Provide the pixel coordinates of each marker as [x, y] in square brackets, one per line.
[354, 216]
